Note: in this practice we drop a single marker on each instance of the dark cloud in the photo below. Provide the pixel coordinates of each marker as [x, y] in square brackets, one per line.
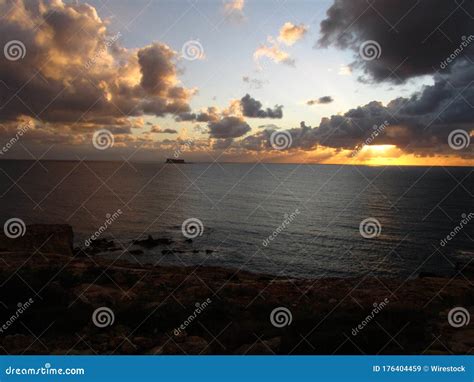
[254, 83]
[414, 37]
[222, 144]
[320, 100]
[159, 130]
[75, 72]
[253, 109]
[420, 124]
[228, 127]
[211, 114]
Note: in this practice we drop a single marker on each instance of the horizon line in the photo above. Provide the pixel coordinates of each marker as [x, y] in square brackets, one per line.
[249, 163]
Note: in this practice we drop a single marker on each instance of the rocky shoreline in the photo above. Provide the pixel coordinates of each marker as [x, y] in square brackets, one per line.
[57, 300]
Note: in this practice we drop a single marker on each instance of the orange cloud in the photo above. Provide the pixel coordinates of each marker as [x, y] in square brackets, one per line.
[291, 33]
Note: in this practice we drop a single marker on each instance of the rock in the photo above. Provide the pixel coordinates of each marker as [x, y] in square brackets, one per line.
[72, 287]
[149, 242]
[191, 345]
[44, 238]
[209, 251]
[100, 245]
[128, 347]
[143, 342]
[157, 350]
[261, 347]
[136, 252]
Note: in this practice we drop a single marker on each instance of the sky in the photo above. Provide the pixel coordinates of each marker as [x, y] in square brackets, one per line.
[338, 81]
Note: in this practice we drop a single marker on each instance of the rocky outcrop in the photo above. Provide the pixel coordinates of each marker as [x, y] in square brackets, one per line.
[40, 238]
[208, 310]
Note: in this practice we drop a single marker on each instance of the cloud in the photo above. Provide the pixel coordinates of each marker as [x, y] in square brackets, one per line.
[254, 83]
[210, 114]
[417, 125]
[234, 10]
[291, 33]
[159, 130]
[344, 70]
[77, 76]
[253, 109]
[228, 127]
[272, 51]
[234, 5]
[320, 100]
[414, 38]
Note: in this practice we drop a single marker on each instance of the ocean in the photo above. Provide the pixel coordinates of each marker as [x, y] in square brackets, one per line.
[299, 221]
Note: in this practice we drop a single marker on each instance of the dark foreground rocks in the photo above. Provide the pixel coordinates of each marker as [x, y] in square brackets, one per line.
[81, 304]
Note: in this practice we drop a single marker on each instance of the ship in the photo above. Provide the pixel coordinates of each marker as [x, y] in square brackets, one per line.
[173, 160]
